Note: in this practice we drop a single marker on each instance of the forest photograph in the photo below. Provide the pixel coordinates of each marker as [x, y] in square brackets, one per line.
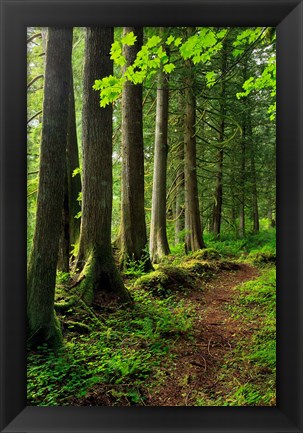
[151, 216]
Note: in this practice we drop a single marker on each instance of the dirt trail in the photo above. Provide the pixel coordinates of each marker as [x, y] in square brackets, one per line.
[198, 360]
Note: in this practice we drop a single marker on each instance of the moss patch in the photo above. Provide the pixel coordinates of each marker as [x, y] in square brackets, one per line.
[206, 254]
[165, 281]
[261, 258]
[199, 267]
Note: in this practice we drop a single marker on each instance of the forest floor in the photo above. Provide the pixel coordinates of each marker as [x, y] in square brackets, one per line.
[200, 361]
[201, 332]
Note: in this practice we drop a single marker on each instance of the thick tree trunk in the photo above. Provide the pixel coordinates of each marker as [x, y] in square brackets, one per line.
[193, 236]
[42, 323]
[158, 238]
[133, 238]
[95, 252]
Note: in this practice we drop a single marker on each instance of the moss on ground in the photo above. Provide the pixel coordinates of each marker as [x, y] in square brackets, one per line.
[206, 254]
[262, 258]
[165, 281]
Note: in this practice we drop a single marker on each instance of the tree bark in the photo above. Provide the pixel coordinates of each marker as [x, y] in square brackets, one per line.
[43, 326]
[255, 208]
[217, 214]
[243, 162]
[242, 182]
[71, 207]
[73, 182]
[133, 238]
[95, 252]
[158, 238]
[193, 230]
[179, 223]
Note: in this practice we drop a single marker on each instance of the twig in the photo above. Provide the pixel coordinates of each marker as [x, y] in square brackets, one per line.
[208, 346]
[188, 394]
[34, 79]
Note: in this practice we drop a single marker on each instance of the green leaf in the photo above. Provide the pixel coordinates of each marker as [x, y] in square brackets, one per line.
[169, 68]
[178, 42]
[76, 171]
[210, 78]
[169, 40]
[153, 41]
[129, 39]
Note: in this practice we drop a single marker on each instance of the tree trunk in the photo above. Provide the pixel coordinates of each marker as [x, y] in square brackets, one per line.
[43, 326]
[64, 242]
[133, 238]
[217, 209]
[179, 223]
[71, 207]
[242, 183]
[193, 235]
[217, 215]
[243, 162]
[73, 182]
[158, 238]
[95, 252]
[179, 218]
[255, 209]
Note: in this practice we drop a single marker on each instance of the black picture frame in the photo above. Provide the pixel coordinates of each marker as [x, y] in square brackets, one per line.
[287, 15]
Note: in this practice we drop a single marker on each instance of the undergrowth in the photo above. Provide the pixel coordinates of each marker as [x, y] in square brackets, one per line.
[121, 351]
[118, 353]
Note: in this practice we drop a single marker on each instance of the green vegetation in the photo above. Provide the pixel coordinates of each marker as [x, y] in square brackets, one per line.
[122, 350]
[121, 355]
[151, 221]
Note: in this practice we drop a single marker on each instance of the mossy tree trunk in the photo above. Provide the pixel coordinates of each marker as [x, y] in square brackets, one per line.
[42, 323]
[133, 237]
[158, 238]
[95, 252]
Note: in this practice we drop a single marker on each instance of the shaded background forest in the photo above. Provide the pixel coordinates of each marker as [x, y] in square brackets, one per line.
[256, 179]
[168, 152]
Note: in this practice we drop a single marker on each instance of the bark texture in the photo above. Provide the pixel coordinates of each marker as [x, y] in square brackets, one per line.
[217, 213]
[254, 191]
[99, 272]
[242, 178]
[158, 238]
[43, 326]
[71, 207]
[193, 236]
[243, 162]
[179, 212]
[133, 237]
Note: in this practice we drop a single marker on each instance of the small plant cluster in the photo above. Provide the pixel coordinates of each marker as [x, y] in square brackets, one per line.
[253, 243]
